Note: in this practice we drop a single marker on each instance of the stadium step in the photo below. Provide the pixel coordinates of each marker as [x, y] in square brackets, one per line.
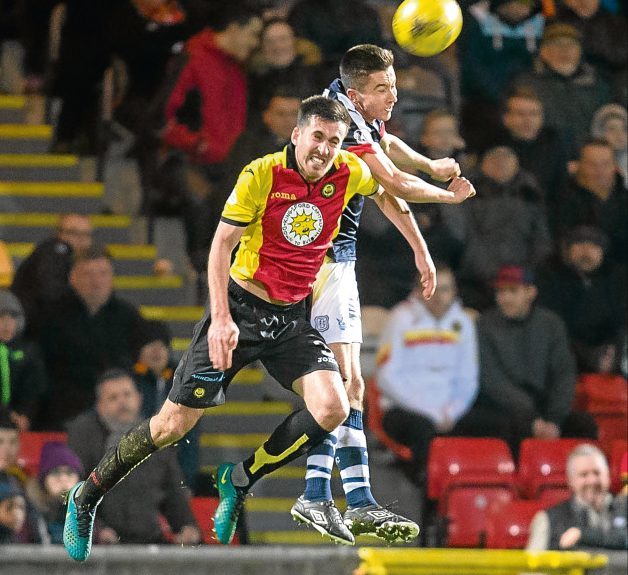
[128, 259]
[180, 319]
[39, 167]
[147, 290]
[37, 226]
[12, 108]
[25, 138]
[51, 197]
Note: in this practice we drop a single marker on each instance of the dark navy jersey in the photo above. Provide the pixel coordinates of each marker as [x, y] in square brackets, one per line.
[359, 140]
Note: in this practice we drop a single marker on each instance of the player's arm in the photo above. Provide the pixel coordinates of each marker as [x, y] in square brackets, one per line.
[412, 188]
[403, 156]
[398, 212]
[222, 335]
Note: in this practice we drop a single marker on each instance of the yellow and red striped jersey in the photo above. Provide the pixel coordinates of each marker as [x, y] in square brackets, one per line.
[289, 222]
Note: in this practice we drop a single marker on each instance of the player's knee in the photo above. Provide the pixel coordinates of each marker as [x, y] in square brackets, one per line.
[331, 413]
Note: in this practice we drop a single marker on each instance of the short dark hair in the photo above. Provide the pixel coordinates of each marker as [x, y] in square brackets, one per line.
[239, 12]
[108, 375]
[597, 142]
[361, 61]
[323, 108]
[436, 114]
[95, 252]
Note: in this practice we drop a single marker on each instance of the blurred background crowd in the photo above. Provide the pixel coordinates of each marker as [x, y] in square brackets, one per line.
[531, 101]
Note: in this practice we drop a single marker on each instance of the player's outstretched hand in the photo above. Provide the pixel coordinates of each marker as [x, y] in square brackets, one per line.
[462, 189]
[427, 273]
[444, 169]
[222, 339]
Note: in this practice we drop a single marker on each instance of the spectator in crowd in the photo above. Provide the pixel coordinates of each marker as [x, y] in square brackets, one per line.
[506, 224]
[59, 469]
[571, 90]
[527, 370]
[12, 512]
[31, 528]
[538, 147]
[498, 41]
[589, 293]
[610, 123]
[153, 372]
[591, 517]
[88, 330]
[130, 514]
[282, 59]
[427, 368]
[602, 34]
[594, 195]
[153, 369]
[335, 27]
[23, 380]
[43, 276]
[206, 111]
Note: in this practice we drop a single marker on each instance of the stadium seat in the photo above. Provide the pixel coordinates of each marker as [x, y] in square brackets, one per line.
[542, 464]
[553, 495]
[508, 525]
[468, 462]
[466, 513]
[31, 443]
[600, 393]
[374, 416]
[616, 452]
[204, 509]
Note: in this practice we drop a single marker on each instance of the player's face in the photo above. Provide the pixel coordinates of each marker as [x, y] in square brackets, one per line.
[377, 98]
[317, 145]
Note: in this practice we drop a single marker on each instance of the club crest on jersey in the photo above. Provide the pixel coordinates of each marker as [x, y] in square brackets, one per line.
[302, 224]
[328, 190]
[359, 136]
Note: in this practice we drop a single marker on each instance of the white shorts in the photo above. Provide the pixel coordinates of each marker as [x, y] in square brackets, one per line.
[336, 303]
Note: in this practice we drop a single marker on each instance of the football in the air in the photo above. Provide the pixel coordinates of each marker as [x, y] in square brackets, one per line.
[426, 27]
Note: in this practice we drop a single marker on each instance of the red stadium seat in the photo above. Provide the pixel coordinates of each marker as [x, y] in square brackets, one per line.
[616, 453]
[508, 526]
[374, 422]
[204, 509]
[467, 462]
[554, 494]
[600, 393]
[31, 443]
[542, 464]
[466, 513]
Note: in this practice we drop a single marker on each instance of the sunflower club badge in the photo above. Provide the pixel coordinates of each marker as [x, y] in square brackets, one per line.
[302, 224]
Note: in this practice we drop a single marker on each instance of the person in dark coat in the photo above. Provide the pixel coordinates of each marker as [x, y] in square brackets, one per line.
[130, 514]
[88, 330]
[43, 276]
[591, 517]
[23, 379]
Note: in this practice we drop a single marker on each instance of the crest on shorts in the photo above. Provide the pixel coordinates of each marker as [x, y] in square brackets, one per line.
[321, 322]
[328, 190]
[198, 392]
[302, 224]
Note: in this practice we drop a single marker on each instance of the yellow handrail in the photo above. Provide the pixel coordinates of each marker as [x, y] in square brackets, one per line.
[404, 561]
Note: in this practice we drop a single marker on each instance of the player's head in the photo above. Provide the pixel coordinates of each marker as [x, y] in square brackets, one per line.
[368, 76]
[322, 125]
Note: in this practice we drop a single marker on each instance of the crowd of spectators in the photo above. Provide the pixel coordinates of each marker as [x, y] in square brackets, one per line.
[532, 103]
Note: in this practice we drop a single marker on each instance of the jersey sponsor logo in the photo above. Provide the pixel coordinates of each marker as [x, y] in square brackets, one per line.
[282, 196]
[328, 190]
[211, 376]
[302, 224]
[321, 322]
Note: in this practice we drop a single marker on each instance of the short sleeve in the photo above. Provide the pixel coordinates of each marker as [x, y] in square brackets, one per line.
[366, 184]
[243, 204]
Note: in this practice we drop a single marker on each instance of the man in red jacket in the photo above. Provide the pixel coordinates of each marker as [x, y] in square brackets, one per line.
[206, 110]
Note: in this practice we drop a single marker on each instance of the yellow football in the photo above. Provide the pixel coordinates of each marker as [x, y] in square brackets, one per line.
[426, 27]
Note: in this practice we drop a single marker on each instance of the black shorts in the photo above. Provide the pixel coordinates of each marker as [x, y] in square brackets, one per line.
[281, 337]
